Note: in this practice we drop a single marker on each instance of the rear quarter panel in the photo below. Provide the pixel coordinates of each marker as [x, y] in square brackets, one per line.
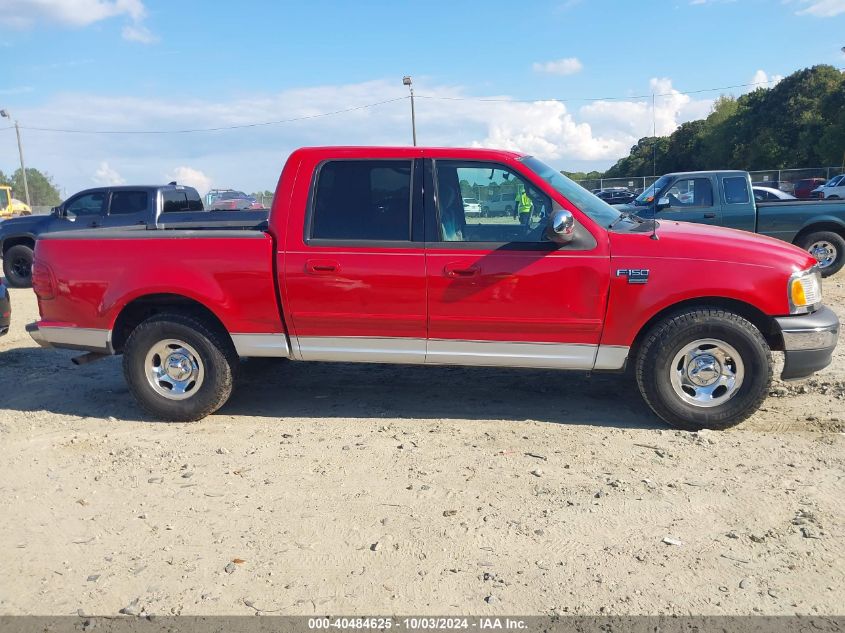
[96, 277]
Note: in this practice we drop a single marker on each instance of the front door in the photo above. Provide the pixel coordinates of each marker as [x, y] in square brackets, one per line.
[689, 200]
[83, 211]
[499, 293]
[354, 271]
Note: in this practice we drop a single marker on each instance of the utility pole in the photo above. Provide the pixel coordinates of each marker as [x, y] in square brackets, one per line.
[406, 81]
[5, 114]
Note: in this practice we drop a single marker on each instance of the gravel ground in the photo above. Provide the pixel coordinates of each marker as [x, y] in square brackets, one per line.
[381, 489]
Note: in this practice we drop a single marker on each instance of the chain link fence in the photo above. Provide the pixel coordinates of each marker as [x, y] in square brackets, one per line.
[783, 179]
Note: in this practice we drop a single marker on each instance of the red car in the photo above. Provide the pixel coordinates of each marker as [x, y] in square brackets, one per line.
[370, 256]
[805, 186]
[234, 200]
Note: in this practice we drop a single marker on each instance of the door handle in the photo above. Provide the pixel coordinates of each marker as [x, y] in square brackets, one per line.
[321, 266]
[709, 215]
[94, 224]
[457, 271]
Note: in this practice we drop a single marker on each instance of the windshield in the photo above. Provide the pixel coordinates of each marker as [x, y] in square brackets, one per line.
[833, 181]
[647, 196]
[596, 208]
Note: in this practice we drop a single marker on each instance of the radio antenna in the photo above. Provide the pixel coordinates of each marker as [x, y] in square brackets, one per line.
[654, 167]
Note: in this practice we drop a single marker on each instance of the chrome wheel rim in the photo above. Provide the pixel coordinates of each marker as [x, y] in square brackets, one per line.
[706, 373]
[824, 252]
[174, 369]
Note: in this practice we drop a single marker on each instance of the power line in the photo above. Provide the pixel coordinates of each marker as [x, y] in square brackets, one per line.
[216, 129]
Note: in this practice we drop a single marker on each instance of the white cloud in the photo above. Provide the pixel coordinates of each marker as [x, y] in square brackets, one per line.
[106, 176]
[24, 14]
[138, 33]
[565, 66]
[593, 135]
[822, 8]
[190, 177]
[761, 79]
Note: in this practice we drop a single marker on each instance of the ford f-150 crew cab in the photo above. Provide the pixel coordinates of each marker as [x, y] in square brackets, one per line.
[724, 198]
[370, 256]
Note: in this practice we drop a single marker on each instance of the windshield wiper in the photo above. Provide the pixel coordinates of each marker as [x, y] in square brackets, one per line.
[622, 215]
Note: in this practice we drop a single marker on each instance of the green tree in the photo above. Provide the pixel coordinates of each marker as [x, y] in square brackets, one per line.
[42, 190]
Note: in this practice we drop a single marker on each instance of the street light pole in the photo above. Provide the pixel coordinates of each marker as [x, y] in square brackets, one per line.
[406, 81]
[5, 114]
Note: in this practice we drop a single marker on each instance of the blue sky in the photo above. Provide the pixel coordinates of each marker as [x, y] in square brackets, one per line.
[156, 65]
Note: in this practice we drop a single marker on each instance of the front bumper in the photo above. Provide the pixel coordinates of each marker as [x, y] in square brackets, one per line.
[808, 342]
[5, 310]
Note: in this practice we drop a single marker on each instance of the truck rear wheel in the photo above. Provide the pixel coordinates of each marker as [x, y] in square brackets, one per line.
[704, 368]
[828, 248]
[178, 368]
[17, 266]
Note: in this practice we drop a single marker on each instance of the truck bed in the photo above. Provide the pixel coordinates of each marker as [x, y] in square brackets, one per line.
[785, 220]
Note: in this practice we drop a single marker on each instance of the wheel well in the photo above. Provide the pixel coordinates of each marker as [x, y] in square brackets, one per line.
[142, 308]
[18, 241]
[766, 324]
[821, 226]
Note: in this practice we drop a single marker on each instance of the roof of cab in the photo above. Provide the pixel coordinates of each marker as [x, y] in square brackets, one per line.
[406, 151]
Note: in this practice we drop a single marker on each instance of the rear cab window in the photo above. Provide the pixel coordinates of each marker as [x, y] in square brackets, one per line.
[361, 200]
[736, 190]
[174, 200]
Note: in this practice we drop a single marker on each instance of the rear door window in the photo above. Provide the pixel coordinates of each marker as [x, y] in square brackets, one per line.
[128, 202]
[736, 190]
[362, 200]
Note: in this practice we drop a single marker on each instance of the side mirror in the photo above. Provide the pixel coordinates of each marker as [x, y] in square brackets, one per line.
[56, 211]
[561, 227]
[663, 203]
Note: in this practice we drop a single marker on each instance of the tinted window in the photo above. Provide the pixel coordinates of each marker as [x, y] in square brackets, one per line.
[194, 200]
[736, 190]
[458, 223]
[363, 200]
[123, 202]
[174, 200]
[86, 204]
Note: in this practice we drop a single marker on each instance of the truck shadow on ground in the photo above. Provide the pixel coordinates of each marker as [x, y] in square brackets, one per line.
[291, 389]
[33, 380]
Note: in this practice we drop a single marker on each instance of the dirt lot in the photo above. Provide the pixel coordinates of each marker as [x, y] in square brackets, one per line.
[378, 489]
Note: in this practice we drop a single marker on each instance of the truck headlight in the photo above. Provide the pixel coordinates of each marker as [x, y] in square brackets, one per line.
[805, 291]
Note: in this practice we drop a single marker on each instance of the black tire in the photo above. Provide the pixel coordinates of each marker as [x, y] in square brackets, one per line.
[654, 368]
[17, 266]
[835, 240]
[216, 356]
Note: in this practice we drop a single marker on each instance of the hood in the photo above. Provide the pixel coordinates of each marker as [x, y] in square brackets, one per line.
[702, 242]
[22, 224]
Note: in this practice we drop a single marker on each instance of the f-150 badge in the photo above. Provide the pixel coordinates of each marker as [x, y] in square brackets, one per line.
[634, 275]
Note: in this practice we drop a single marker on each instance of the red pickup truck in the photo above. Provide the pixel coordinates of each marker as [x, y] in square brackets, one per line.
[370, 256]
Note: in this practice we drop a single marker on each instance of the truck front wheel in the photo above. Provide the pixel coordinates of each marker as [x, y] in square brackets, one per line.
[704, 368]
[178, 368]
[828, 248]
[17, 266]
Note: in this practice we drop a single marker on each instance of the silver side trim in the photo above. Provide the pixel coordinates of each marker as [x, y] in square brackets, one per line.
[506, 354]
[611, 356]
[366, 349]
[73, 337]
[362, 349]
[263, 345]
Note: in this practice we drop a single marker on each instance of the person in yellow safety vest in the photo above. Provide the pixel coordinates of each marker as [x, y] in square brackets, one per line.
[523, 205]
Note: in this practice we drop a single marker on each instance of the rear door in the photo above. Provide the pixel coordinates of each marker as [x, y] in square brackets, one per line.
[690, 199]
[127, 207]
[498, 293]
[354, 265]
